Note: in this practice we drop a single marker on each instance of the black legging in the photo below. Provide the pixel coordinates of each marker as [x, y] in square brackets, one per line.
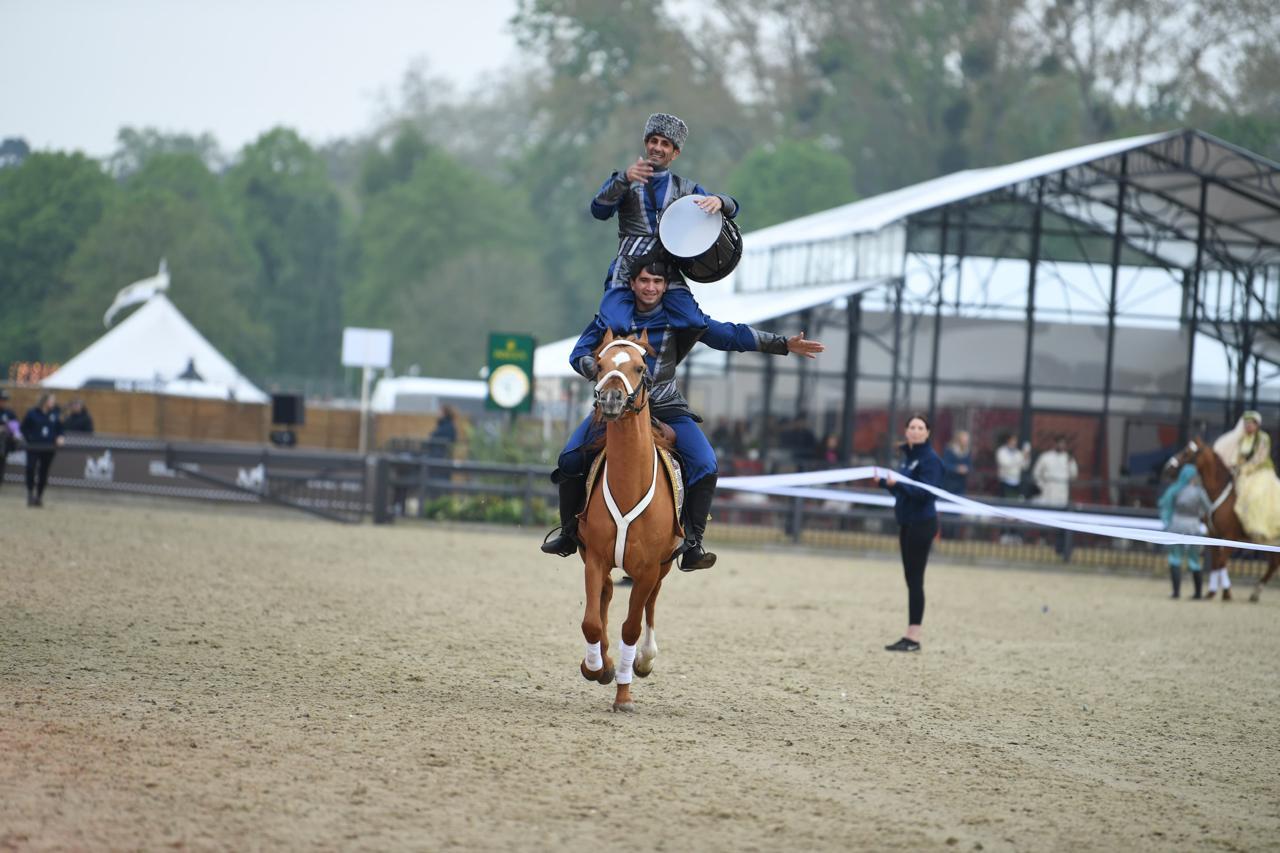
[38, 462]
[915, 540]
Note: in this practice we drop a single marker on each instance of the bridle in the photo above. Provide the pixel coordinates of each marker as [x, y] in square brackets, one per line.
[1194, 450]
[618, 359]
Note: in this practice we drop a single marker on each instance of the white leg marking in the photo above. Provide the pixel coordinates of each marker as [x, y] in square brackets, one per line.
[648, 645]
[1226, 581]
[593, 659]
[626, 657]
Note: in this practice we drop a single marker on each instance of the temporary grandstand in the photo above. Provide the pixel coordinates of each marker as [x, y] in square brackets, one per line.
[1123, 293]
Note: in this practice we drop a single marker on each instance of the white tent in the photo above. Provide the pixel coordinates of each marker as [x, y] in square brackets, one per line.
[156, 349]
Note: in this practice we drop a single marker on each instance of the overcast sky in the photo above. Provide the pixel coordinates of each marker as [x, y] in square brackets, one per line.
[74, 71]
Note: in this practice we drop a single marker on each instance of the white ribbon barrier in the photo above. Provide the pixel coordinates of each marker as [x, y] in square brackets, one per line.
[802, 485]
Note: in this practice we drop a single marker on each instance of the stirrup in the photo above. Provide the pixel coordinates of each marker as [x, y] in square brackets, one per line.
[558, 547]
[695, 558]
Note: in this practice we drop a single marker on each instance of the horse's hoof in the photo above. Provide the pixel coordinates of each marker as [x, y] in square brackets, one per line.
[1254, 596]
[624, 707]
[606, 677]
[641, 673]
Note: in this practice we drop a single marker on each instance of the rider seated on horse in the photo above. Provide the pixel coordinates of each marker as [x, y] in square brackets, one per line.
[671, 342]
[1246, 449]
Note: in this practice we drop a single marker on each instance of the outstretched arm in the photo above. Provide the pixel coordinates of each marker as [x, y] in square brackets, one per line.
[739, 337]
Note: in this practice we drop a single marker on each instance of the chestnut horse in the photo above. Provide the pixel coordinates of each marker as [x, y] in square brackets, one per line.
[630, 520]
[1223, 521]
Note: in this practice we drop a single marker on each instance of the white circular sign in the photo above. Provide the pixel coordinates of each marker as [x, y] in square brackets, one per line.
[508, 386]
[687, 230]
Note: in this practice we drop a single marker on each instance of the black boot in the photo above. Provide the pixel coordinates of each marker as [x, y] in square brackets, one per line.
[1175, 575]
[573, 493]
[697, 509]
[1199, 582]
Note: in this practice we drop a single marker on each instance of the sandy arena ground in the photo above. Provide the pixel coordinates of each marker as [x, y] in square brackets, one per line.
[187, 677]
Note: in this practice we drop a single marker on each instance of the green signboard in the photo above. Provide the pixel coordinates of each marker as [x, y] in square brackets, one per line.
[510, 372]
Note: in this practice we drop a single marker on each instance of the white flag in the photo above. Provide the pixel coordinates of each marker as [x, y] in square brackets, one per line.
[139, 291]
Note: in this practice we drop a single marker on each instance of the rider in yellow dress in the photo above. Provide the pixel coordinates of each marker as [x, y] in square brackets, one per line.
[1247, 450]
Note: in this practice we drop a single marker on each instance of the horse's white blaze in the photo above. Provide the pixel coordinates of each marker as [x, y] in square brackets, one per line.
[621, 358]
[626, 658]
[593, 659]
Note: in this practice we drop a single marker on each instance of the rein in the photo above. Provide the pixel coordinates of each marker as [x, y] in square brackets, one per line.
[1226, 490]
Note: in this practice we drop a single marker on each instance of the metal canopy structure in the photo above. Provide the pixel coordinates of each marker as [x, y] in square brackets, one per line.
[1177, 231]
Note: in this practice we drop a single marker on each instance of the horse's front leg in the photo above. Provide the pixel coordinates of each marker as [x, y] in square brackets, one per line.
[648, 649]
[641, 589]
[1273, 561]
[596, 665]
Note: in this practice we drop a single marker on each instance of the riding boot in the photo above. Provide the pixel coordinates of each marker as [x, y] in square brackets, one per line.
[1175, 575]
[697, 509]
[1199, 582]
[573, 493]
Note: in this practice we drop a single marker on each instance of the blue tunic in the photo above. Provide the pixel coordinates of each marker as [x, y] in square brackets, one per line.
[671, 343]
[638, 206]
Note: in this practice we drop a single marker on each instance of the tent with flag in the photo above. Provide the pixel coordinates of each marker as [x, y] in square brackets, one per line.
[155, 349]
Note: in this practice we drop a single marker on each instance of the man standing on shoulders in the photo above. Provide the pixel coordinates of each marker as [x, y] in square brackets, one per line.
[639, 195]
[42, 430]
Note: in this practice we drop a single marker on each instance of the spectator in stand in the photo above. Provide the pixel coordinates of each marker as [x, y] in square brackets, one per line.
[804, 443]
[1011, 461]
[42, 431]
[10, 431]
[440, 442]
[1053, 473]
[957, 462]
[78, 418]
[830, 456]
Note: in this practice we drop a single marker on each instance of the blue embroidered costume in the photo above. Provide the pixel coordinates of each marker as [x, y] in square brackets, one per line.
[672, 338]
[638, 205]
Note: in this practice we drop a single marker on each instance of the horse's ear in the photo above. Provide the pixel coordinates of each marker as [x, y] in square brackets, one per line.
[644, 337]
[608, 336]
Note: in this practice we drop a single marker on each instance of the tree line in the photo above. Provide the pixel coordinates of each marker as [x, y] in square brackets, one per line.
[465, 212]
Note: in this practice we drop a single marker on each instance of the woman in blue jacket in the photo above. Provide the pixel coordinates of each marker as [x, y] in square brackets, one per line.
[917, 515]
